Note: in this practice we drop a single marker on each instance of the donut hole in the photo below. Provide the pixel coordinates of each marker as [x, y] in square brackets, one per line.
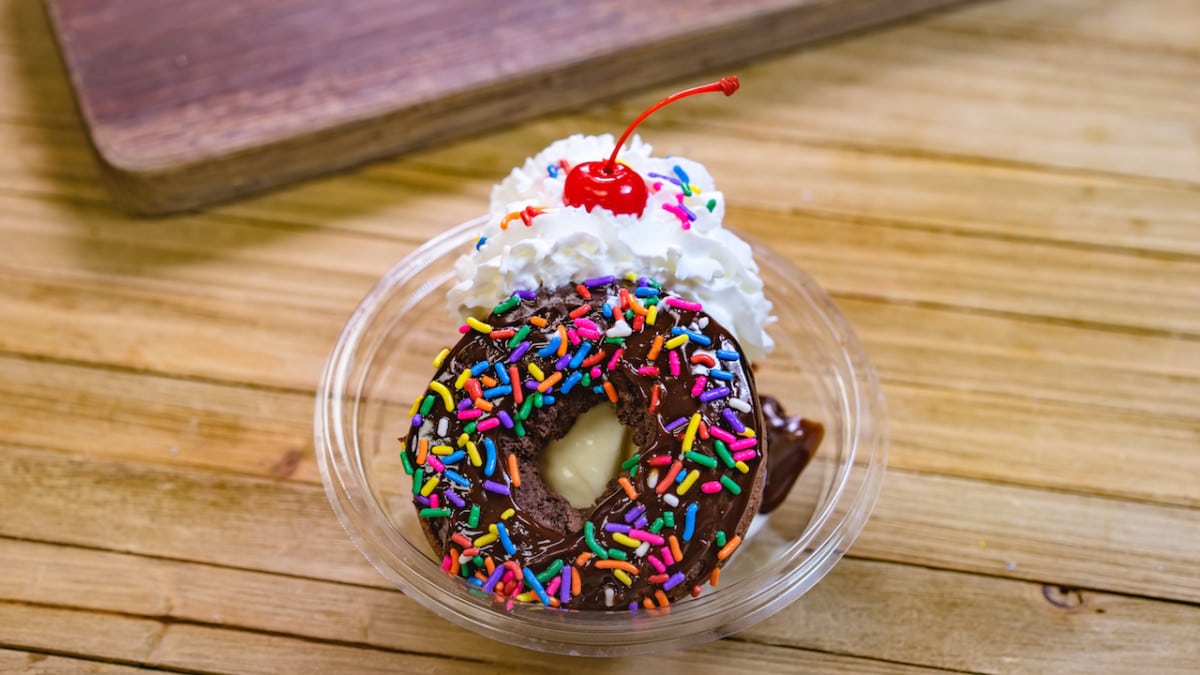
[581, 465]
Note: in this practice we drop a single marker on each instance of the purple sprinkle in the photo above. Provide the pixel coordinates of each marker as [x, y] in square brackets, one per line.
[731, 417]
[633, 606]
[455, 499]
[564, 588]
[494, 579]
[669, 179]
[531, 385]
[562, 363]
[676, 424]
[599, 281]
[643, 282]
[714, 394]
[686, 210]
[641, 521]
[519, 352]
[505, 419]
[421, 499]
[417, 419]
[465, 403]
[634, 513]
[616, 527]
[527, 295]
[674, 581]
[493, 486]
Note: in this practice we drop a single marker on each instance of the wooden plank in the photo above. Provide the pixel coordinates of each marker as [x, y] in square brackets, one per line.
[286, 527]
[1040, 627]
[37, 663]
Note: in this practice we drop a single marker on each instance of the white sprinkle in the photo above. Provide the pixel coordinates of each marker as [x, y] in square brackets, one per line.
[608, 597]
[642, 550]
[443, 427]
[619, 329]
[703, 322]
[738, 404]
[671, 499]
[652, 478]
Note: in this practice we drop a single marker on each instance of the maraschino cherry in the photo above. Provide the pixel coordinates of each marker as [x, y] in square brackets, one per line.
[614, 186]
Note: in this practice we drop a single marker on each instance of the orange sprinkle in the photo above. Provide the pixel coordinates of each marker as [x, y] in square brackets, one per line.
[484, 404]
[654, 399]
[655, 348]
[675, 552]
[714, 577]
[550, 381]
[662, 598]
[611, 391]
[455, 566]
[729, 548]
[611, 564]
[489, 564]
[576, 584]
[460, 539]
[624, 299]
[703, 430]
[508, 219]
[647, 603]
[538, 321]
[627, 486]
[481, 576]
[563, 340]
[422, 451]
[555, 602]
[512, 470]
[635, 305]
[488, 381]
[583, 558]
[583, 292]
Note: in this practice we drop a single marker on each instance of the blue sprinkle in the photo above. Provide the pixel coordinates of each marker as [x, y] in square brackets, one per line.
[598, 389]
[689, 522]
[645, 292]
[573, 380]
[479, 244]
[532, 582]
[683, 177]
[681, 476]
[502, 374]
[547, 399]
[552, 170]
[721, 374]
[489, 465]
[456, 477]
[480, 368]
[727, 355]
[551, 346]
[504, 540]
[607, 311]
[581, 354]
[493, 392]
[474, 581]
[454, 457]
[698, 338]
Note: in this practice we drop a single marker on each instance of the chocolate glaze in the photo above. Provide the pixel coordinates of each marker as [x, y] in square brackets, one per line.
[793, 440]
[545, 526]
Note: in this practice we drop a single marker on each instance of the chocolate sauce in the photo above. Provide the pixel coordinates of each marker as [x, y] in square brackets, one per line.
[791, 443]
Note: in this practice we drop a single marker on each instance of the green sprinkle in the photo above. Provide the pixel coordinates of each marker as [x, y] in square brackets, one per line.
[418, 480]
[464, 571]
[712, 204]
[614, 340]
[426, 405]
[669, 518]
[549, 573]
[687, 189]
[537, 400]
[478, 560]
[657, 525]
[470, 428]
[720, 537]
[516, 339]
[616, 554]
[654, 283]
[629, 315]
[633, 471]
[518, 428]
[589, 537]
[408, 467]
[587, 380]
[731, 485]
[702, 460]
[473, 519]
[631, 462]
[435, 513]
[526, 408]
[514, 299]
[650, 302]
[723, 453]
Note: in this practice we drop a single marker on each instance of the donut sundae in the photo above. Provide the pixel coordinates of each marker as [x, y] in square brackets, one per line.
[602, 287]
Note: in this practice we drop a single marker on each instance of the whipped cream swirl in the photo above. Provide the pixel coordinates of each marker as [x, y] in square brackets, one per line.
[705, 262]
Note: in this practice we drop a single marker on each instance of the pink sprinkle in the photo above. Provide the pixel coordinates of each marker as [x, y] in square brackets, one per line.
[470, 413]
[436, 463]
[642, 535]
[656, 563]
[573, 337]
[720, 433]
[616, 358]
[648, 371]
[659, 460]
[464, 329]
[553, 587]
[589, 333]
[711, 487]
[508, 576]
[595, 372]
[586, 324]
[744, 455]
[489, 423]
[743, 443]
[673, 357]
[698, 388]
[679, 213]
[667, 557]
[434, 502]
[684, 304]
[656, 185]
[446, 563]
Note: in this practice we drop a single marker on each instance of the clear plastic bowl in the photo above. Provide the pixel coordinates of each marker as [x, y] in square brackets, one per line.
[382, 361]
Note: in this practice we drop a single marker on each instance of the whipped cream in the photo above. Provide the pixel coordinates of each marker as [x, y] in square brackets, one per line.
[705, 263]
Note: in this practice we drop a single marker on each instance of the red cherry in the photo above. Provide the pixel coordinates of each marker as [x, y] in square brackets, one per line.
[617, 187]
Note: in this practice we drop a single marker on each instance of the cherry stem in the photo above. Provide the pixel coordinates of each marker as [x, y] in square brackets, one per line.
[726, 85]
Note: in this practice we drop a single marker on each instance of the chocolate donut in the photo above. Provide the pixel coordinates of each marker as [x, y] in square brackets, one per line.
[518, 380]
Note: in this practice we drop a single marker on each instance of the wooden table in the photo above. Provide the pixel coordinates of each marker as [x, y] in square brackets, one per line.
[1005, 200]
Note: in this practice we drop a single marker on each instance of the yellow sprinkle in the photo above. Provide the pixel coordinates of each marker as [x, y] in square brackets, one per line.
[479, 325]
[741, 466]
[508, 513]
[678, 341]
[441, 356]
[429, 485]
[473, 453]
[695, 190]
[536, 372]
[462, 379]
[687, 482]
[689, 436]
[463, 439]
[625, 540]
[623, 577]
[527, 596]
[485, 539]
[446, 398]
[748, 433]
[416, 404]
[631, 277]
[441, 449]
[651, 315]
[493, 530]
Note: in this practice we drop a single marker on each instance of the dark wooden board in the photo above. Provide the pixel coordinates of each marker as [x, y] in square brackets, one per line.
[192, 102]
